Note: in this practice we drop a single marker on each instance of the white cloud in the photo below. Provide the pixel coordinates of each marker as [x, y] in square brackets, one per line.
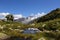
[2, 15]
[16, 16]
[38, 15]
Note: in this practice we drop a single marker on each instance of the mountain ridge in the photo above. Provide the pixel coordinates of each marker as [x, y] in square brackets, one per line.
[50, 16]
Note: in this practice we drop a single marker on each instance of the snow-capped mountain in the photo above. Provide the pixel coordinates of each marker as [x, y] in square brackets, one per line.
[19, 20]
[30, 18]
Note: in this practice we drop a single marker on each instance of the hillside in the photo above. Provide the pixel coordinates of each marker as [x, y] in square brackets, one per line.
[48, 25]
[10, 28]
[50, 16]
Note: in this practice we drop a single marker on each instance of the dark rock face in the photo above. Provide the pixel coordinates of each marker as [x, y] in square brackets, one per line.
[20, 19]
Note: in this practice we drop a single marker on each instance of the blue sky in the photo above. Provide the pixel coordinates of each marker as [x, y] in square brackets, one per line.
[27, 7]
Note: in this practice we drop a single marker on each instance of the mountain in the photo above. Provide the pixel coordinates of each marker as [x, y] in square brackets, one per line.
[50, 16]
[41, 18]
[29, 19]
[20, 19]
[26, 20]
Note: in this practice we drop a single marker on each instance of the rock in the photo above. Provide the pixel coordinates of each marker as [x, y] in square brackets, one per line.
[42, 38]
[3, 36]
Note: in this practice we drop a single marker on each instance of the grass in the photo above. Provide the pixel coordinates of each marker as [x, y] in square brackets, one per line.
[17, 25]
